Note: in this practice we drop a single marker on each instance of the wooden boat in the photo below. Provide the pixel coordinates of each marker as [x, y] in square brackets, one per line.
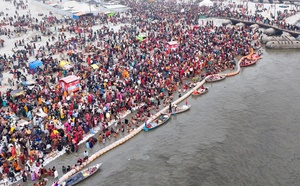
[162, 119]
[257, 56]
[82, 175]
[200, 92]
[246, 62]
[179, 109]
[215, 77]
[254, 57]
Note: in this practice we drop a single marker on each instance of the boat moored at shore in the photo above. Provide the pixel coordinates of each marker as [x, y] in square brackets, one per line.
[178, 110]
[162, 119]
[215, 77]
[82, 175]
[200, 92]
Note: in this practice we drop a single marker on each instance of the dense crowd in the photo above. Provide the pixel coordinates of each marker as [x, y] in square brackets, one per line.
[131, 73]
[278, 21]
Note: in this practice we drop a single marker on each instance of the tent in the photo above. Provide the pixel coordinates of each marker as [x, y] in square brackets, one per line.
[28, 83]
[110, 14]
[116, 8]
[67, 67]
[16, 93]
[141, 37]
[172, 45]
[63, 63]
[206, 3]
[34, 64]
[41, 113]
[70, 83]
[95, 66]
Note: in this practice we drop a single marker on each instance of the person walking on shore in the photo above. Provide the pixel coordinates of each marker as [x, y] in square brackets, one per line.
[86, 155]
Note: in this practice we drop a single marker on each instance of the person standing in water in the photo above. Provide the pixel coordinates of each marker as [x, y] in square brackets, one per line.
[170, 107]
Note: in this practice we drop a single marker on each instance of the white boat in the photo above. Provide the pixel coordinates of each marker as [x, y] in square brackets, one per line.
[82, 175]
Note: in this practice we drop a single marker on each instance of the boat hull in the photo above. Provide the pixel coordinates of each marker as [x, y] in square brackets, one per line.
[154, 125]
[219, 78]
[82, 175]
[201, 92]
[247, 64]
[179, 110]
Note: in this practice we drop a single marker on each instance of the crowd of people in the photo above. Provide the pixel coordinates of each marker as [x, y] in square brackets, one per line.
[131, 74]
[278, 21]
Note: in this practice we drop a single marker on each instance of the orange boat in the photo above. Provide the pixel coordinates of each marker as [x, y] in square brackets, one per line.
[247, 62]
[254, 56]
[200, 92]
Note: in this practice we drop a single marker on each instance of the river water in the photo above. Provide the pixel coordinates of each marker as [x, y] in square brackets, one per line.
[245, 131]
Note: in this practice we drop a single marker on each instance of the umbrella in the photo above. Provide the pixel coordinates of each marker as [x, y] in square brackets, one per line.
[62, 63]
[141, 37]
[95, 66]
[111, 14]
[16, 93]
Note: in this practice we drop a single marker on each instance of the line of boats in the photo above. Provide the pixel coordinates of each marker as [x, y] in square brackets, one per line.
[246, 61]
[164, 117]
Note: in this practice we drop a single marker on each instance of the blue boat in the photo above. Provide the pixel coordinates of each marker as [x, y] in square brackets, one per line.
[82, 175]
[162, 119]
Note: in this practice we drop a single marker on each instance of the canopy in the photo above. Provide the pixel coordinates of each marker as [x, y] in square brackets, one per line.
[172, 45]
[28, 83]
[41, 113]
[206, 3]
[94, 66]
[34, 64]
[69, 79]
[111, 14]
[62, 63]
[21, 123]
[141, 37]
[16, 93]
[67, 67]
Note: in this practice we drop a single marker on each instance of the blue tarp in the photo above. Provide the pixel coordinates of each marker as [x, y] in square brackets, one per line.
[28, 83]
[34, 64]
[75, 17]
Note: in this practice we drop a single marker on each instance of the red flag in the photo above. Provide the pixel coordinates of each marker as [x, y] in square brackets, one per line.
[186, 102]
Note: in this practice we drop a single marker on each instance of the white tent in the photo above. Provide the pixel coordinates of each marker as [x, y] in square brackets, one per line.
[206, 3]
[74, 7]
[82, 7]
[117, 8]
[69, 4]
